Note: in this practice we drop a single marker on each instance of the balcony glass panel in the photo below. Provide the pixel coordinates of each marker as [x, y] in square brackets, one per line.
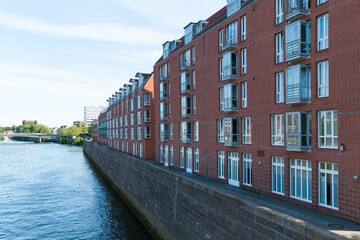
[298, 85]
[298, 135]
[298, 38]
[229, 66]
[296, 9]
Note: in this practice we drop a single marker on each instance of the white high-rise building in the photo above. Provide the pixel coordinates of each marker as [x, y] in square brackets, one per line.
[91, 113]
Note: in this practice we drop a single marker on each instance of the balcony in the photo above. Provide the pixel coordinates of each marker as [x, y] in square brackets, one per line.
[185, 88]
[163, 77]
[163, 138]
[296, 9]
[163, 96]
[297, 142]
[229, 73]
[186, 138]
[230, 105]
[231, 140]
[297, 50]
[297, 94]
[230, 44]
[185, 65]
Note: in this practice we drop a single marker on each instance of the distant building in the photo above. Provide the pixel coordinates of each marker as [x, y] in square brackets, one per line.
[79, 123]
[29, 122]
[54, 130]
[91, 113]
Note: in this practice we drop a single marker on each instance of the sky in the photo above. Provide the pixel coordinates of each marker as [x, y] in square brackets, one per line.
[58, 56]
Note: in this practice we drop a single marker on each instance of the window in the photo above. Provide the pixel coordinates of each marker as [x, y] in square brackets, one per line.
[280, 87]
[328, 129]
[163, 132]
[221, 69]
[246, 130]
[185, 132]
[193, 54]
[126, 133]
[221, 99]
[194, 104]
[169, 89]
[233, 169]
[231, 132]
[166, 155]
[277, 130]
[139, 133]
[230, 98]
[244, 94]
[185, 62]
[247, 169]
[186, 106]
[161, 153]
[171, 155]
[329, 185]
[220, 126]
[231, 34]
[279, 11]
[163, 72]
[278, 179]
[132, 120]
[321, 1]
[185, 82]
[229, 66]
[221, 164]
[298, 131]
[298, 84]
[147, 116]
[280, 48]
[169, 109]
[147, 132]
[163, 91]
[140, 150]
[132, 132]
[121, 122]
[138, 102]
[196, 160]
[323, 79]
[189, 160]
[297, 41]
[138, 118]
[243, 61]
[146, 99]
[300, 179]
[323, 32]
[243, 28]
[182, 153]
[196, 131]
[194, 79]
[171, 131]
[221, 40]
[121, 133]
[132, 105]
[163, 111]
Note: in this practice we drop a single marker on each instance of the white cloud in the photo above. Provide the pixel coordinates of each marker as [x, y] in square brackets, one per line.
[104, 32]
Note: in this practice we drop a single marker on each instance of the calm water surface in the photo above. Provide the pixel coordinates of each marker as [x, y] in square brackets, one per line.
[51, 191]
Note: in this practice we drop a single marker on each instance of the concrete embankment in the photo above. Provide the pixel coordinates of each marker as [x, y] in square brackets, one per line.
[176, 205]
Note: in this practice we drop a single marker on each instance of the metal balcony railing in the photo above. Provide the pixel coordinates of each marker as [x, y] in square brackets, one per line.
[231, 140]
[297, 50]
[296, 9]
[230, 43]
[186, 113]
[163, 95]
[185, 87]
[297, 94]
[229, 73]
[230, 104]
[163, 137]
[295, 141]
[186, 138]
[163, 77]
[184, 65]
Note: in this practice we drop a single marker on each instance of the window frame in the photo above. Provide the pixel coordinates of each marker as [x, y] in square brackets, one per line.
[196, 131]
[323, 41]
[323, 78]
[300, 167]
[243, 61]
[334, 171]
[274, 127]
[196, 160]
[221, 164]
[280, 97]
[279, 49]
[278, 164]
[279, 12]
[244, 94]
[247, 130]
[334, 138]
[247, 169]
[243, 28]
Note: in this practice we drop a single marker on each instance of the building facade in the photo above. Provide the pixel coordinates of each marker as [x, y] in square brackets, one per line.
[79, 123]
[263, 95]
[91, 113]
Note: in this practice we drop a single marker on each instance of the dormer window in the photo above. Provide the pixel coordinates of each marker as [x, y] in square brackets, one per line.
[233, 6]
[189, 33]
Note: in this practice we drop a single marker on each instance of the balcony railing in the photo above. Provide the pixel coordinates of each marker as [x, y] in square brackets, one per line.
[231, 140]
[163, 137]
[163, 77]
[185, 114]
[163, 96]
[164, 116]
[186, 138]
[185, 65]
[296, 9]
[297, 94]
[185, 88]
[297, 50]
[230, 104]
[230, 44]
[229, 73]
[295, 141]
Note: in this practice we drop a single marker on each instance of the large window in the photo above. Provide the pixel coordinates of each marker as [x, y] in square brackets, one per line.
[231, 131]
[138, 102]
[279, 11]
[229, 98]
[234, 169]
[161, 153]
[221, 164]
[221, 39]
[194, 79]
[280, 87]
[193, 55]
[146, 99]
[185, 132]
[138, 118]
[329, 185]
[163, 91]
[189, 160]
[232, 34]
[229, 66]
[147, 132]
[182, 156]
[171, 155]
[277, 130]
[185, 82]
[171, 131]
[323, 32]
[328, 129]
[280, 48]
[298, 84]
[221, 99]
[163, 111]
[247, 169]
[147, 116]
[132, 119]
[194, 104]
[300, 179]
[246, 123]
[298, 131]
[323, 79]
[221, 69]
[163, 132]
[139, 133]
[278, 179]
[297, 41]
[196, 131]
[243, 61]
[243, 28]
[196, 160]
[186, 106]
[244, 94]
[221, 129]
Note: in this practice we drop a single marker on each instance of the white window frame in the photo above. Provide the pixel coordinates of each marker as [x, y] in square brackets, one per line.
[278, 175]
[138, 102]
[221, 131]
[280, 87]
[166, 155]
[323, 79]
[233, 158]
[221, 69]
[221, 40]
[147, 132]
[244, 94]
[298, 169]
[189, 168]
[329, 169]
[279, 11]
[193, 55]
[221, 164]
[146, 99]
[147, 118]
[194, 104]
[246, 127]
[279, 48]
[329, 134]
[243, 61]
[171, 155]
[243, 28]
[139, 133]
[161, 153]
[139, 118]
[321, 1]
[221, 91]
[196, 160]
[182, 157]
[194, 79]
[171, 130]
[277, 130]
[196, 131]
[247, 169]
[323, 26]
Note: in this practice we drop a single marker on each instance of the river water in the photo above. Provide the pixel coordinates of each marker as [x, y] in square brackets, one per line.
[51, 191]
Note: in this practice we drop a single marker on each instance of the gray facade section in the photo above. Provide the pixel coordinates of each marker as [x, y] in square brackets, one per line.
[174, 206]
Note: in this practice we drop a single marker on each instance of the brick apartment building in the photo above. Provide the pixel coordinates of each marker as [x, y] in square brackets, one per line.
[127, 124]
[263, 95]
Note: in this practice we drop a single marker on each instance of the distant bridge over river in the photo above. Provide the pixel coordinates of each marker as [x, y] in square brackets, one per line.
[36, 136]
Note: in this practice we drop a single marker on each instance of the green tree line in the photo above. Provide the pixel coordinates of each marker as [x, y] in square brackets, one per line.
[67, 135]
[33, 128]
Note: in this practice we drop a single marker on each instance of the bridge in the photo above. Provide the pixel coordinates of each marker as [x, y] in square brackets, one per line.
[36, 136]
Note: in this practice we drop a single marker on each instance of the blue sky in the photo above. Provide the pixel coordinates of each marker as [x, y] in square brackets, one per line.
[57, 56]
